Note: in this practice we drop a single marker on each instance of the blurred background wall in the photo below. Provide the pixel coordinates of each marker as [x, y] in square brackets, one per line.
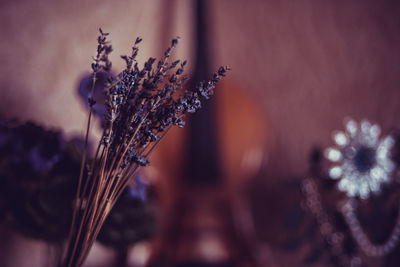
[307, 63]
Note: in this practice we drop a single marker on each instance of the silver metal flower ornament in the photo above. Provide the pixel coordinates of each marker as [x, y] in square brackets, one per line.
[362, 160]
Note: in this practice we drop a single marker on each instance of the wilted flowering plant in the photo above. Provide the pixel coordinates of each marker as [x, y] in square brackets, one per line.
[141, 107]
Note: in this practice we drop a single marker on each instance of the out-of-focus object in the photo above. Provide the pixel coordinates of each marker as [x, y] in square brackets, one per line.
[201, 174]
[38, 168]
[363, 161]
[363, 227]
[207, 221]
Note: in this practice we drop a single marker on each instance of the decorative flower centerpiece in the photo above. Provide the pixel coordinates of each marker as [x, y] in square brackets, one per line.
[362, 160]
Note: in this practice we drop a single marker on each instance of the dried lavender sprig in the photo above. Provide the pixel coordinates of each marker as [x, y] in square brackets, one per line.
[142, 105]
[101, 61]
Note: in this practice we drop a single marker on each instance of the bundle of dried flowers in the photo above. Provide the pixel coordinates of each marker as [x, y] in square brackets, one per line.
[141, 107]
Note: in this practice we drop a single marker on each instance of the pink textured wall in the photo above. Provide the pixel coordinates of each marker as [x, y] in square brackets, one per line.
[311, 63]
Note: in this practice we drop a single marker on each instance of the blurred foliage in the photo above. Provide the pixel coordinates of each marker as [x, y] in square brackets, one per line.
[39, 174]
[38, 170]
